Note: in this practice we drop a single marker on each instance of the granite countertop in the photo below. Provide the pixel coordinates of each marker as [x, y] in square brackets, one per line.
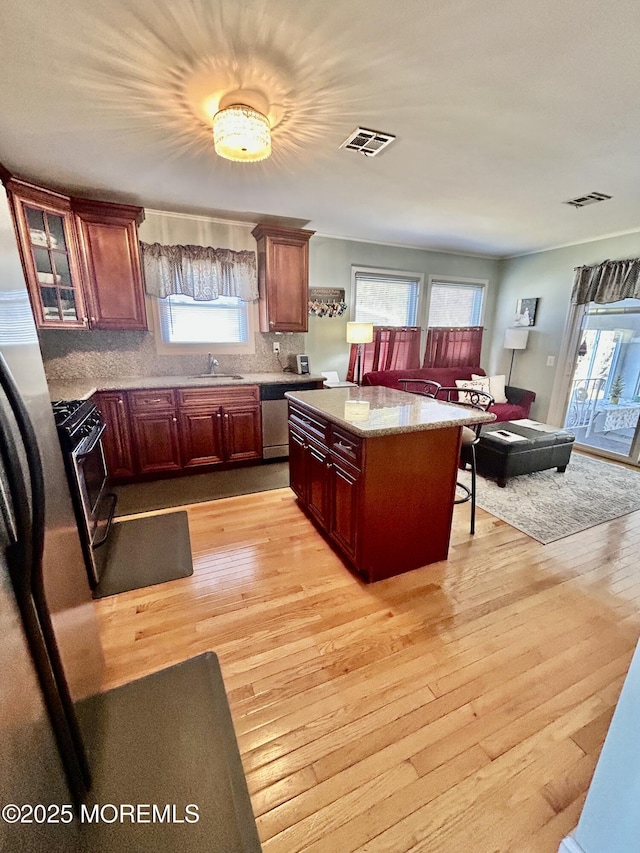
[377, 410]
[82, 389]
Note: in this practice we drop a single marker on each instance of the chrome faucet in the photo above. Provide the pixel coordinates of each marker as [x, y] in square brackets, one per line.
[213, 363]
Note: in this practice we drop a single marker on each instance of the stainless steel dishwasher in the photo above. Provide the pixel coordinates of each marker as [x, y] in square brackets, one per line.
[275, 432]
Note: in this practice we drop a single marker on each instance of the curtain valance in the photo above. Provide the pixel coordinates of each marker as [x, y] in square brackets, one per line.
[201, 272]
[610, 281]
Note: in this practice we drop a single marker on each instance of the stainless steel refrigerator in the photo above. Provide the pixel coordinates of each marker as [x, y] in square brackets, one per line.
[50, 654]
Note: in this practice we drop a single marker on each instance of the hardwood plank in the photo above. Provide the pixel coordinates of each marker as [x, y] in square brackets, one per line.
[460, 706]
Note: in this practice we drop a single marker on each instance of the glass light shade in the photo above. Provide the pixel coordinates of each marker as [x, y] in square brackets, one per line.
[516, 338]
[359, 333]
[242, 134]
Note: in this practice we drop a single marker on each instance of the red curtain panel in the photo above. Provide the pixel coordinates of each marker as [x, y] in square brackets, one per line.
[392, 348]
[457, 347]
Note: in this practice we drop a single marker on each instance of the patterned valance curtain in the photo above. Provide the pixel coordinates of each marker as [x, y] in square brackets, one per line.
[201, 272]
[610, 281]
[453, 347]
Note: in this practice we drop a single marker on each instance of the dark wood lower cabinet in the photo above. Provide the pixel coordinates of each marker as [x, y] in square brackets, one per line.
[153, 432]
[116, 439]
[298, 463]
[201, 438]
[318, 482]
[344, 491]
[242, 433]
[157, 447]
[385, 502]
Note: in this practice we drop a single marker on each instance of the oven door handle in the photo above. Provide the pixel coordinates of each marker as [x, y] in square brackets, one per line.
[114, 501]
[96, 439]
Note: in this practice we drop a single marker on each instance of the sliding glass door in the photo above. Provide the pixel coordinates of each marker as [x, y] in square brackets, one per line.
[604, 396]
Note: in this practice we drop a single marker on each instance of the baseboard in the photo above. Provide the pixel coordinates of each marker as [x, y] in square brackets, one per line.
[569, 845]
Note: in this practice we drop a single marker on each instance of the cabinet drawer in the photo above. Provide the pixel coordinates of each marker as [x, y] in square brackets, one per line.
[213, 398]
[346, 446]
[309, 424]
[151, 401]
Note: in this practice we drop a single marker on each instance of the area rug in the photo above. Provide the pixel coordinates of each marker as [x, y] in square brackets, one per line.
[548, 506]
[196, 488]
[143, 552]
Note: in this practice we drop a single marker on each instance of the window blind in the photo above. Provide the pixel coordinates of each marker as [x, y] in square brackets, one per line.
[386, 300]
[223, 320]
[455, 304]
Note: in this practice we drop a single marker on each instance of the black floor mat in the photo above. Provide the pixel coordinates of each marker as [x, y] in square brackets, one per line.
[196, 488]
[168, 739]
[143, 552]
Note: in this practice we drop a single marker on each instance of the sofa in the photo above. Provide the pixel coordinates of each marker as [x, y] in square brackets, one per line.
[518, 403]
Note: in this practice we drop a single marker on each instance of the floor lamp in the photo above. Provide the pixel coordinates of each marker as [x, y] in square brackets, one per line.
[359, 334]
[514, 339]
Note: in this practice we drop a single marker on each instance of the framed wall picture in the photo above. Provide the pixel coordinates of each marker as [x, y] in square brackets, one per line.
[526, 312]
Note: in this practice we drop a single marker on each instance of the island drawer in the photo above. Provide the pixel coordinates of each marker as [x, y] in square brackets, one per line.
[310, 424]
[346, 446]
[151, 400]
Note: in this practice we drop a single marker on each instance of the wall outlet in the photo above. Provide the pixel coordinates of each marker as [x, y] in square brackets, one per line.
[551, 360]
[276, 347]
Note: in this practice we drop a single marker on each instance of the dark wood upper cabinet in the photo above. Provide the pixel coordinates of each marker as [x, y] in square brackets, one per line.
[81, 259]
[47, 239]
[108, 237]
[283, 278]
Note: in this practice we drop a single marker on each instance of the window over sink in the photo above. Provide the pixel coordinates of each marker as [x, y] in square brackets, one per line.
[184, 325]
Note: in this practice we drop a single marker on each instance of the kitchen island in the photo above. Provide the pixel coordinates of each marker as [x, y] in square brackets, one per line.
[375, 469]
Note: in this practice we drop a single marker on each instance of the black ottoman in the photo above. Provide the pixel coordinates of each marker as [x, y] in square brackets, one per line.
[537, 450]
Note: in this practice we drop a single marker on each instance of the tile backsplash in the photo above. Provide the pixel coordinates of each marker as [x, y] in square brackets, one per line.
[70, 354]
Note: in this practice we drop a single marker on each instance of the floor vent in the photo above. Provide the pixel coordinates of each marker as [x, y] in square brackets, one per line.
[367, 142]
[584, 200]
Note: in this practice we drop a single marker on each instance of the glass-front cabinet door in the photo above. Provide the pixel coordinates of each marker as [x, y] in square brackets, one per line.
[49, 248]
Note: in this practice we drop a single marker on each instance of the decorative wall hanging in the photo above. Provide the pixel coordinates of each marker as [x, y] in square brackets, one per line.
[525, 312]
[326, 302]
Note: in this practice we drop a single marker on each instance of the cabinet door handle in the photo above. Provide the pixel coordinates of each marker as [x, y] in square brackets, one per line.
[93, 319]
[121, 402]
[158, 400]
[175, 420]
[343, 446]
[226, 414]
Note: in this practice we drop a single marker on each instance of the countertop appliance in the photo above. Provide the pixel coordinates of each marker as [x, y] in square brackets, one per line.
[50, 653]
[80, 427]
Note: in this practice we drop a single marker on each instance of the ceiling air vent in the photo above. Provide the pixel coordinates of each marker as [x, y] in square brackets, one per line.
[367, 142]
[584, 200]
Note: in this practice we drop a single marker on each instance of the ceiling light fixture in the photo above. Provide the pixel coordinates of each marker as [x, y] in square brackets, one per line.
[242, 134]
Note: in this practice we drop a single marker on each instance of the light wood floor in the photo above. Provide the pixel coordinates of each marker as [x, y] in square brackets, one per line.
[459, 707]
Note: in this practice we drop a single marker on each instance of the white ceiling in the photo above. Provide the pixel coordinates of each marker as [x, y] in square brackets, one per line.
[503, 109]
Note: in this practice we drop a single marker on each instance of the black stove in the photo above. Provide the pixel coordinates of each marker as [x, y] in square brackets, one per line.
[80, 427]
[75, 420]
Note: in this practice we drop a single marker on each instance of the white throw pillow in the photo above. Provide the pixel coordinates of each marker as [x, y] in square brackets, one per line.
[480, 384]
[496, 387]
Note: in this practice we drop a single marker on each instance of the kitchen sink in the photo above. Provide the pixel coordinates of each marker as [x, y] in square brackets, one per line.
[217, 376]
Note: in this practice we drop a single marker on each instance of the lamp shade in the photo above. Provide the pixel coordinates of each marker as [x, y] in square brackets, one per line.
[359, 333]
[242, 134]
[516, 338]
